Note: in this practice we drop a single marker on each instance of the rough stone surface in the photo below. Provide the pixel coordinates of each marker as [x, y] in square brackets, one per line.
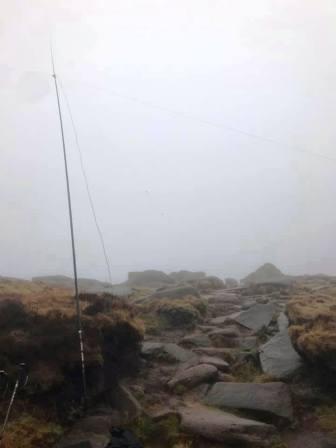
[227, 337]
[220, 320]
[196, 340]
[223, 353]
[224, 298]
[206, 328]
[169, 351]
[278, 357]
[248, 343]
[222, 427]
[256, 317]
[194, 376]
[282, 322]
[219, 363]
[273, 398]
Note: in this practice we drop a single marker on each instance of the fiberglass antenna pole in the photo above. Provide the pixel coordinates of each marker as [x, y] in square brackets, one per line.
[78, 309]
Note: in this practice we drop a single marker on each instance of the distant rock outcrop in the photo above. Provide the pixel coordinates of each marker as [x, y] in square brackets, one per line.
[209, 283]
[176, 293]
[56, 281]
[86, 285]
[267, 273]
[149, 279]
[186, 276]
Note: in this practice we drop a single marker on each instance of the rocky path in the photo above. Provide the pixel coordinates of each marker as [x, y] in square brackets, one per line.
[227, 381]
[202, 376]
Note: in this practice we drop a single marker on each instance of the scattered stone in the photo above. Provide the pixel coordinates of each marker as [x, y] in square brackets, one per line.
[90, 432]
[194, 376]
[221, 320]
[170, 352]
[219, 363]
[223, 353]
[248, 343]
[224, 298]
[247, 304]
[196, 340]
[163, 414]
[273, 398]
[206, 328]
[222, 427]
[228, 337]
[226, 378]
[278, 357]
[256, 317]
[262, 300]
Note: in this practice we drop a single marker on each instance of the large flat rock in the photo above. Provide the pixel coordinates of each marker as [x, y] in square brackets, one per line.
[278, 357]
[222, 427]
[272, 398]
[256, 317]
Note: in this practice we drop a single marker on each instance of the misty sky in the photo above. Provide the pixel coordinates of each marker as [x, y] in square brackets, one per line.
[156, 88]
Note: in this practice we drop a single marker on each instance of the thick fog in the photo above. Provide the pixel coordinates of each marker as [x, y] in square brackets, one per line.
[168, 98]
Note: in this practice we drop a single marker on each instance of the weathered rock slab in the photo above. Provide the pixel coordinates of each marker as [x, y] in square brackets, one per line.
[226, 337]
[219, 363]
[226, 354]
[192, 377]
[222, 427]
[272, 398]
[278, 357]
[169, 351]
[196, 340]
[256, 317]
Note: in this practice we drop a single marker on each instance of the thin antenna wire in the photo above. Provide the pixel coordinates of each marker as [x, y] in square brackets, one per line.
[78, 308]
[218, 125]
[87, 186]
